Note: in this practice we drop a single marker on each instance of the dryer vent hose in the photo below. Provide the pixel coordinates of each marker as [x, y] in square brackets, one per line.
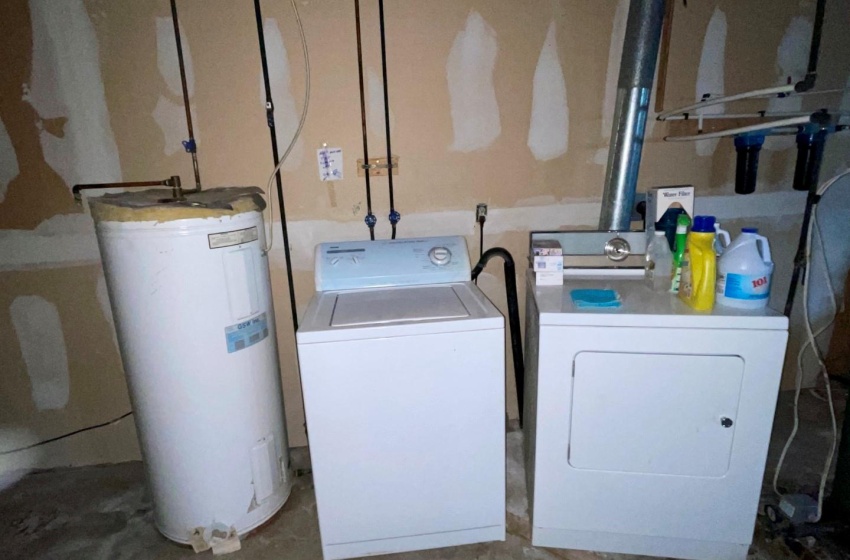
[513, 315]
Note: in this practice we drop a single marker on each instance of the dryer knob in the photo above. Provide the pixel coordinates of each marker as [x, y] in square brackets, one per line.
[440, 256]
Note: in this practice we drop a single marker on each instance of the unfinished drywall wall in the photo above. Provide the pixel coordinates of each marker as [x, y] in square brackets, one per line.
[549, 130]
[711, 77]
[471, 85]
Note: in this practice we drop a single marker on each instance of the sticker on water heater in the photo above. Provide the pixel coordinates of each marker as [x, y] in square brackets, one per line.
[228, 238]
[246, 333]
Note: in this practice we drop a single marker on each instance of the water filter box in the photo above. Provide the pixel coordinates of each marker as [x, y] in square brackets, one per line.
[661, 199]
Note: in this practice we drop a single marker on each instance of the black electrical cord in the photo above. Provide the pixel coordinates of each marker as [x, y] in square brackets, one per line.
[261, 35]
[371, 220]
[513, 316]
[481, 220]
[189, 144]
[69, 434]
[811, 175]
[394, 216]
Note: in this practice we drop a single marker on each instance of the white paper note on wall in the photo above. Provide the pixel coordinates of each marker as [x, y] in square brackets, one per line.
[330, 163]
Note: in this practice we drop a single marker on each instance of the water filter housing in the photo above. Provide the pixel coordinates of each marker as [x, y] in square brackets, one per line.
[190, 293]
[744, 272]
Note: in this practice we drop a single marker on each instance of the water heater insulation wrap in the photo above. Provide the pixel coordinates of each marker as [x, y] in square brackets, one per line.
[190, 292]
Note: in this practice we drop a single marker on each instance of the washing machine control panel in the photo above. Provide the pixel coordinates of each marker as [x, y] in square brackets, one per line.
[440, 256]
[351, 265]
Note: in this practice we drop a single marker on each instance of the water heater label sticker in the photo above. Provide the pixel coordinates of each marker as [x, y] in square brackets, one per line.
[228, 238]
[247, 333]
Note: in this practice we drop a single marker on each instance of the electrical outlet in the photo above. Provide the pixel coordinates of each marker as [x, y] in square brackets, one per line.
[480, 211]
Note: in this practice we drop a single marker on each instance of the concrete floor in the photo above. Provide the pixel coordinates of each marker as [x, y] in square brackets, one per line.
[104, 512]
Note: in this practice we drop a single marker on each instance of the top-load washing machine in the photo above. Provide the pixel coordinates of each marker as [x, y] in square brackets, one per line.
[647, 426]
[402, 365]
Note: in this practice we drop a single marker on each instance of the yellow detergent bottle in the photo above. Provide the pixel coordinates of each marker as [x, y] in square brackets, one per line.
[699, 268]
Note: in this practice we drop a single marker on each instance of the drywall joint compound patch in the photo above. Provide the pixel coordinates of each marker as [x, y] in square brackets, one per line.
[548, 134]
[8, 161]
[792, 58]
[286, 110]
[42, 342]
[469, 71]
[66, 83]
[710, 75]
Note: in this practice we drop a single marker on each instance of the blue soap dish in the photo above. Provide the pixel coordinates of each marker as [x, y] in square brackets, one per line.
[595, 298]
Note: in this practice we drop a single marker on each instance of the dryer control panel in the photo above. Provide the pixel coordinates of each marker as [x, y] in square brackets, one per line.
[349, 265]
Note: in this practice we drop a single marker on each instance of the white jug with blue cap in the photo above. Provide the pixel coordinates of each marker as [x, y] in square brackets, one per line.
[744, 272]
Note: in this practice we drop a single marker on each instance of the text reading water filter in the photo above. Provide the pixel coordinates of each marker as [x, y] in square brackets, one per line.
[190, 293]
[403, 365]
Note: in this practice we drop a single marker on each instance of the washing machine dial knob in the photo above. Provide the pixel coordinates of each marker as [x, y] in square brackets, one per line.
[440, 256]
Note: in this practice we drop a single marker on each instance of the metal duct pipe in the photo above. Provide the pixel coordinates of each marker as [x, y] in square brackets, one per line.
[634, 87]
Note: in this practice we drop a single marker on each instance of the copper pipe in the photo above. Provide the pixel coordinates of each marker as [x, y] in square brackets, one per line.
[173, 182]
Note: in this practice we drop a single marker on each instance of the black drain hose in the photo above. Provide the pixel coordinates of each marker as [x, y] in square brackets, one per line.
[513, 315]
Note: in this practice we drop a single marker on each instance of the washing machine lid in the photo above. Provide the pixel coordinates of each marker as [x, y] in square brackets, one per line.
[641, 307]
[381, 307]
[399, 311]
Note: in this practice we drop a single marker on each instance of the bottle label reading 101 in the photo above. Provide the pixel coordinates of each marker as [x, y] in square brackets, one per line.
[744, 286]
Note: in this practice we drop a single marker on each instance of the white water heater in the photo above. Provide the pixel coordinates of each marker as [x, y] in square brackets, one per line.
[190, 292]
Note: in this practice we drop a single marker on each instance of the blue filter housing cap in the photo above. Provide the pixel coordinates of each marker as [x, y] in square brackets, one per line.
[749, 230]
[703, 224]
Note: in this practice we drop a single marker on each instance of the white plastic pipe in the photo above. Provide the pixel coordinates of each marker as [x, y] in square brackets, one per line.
[770, 92]
[741, 130]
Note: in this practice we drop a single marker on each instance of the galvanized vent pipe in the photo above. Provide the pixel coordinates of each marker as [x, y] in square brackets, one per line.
[634, 87]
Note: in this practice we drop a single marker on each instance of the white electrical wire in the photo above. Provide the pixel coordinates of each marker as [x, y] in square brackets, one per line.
[759, 115]
[270, 234]
[769, 92]
[812, 341]
[693, 112]
[794, 121]
[687, 112]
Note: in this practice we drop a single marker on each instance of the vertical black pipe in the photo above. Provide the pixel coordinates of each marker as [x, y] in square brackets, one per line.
[810, 177]
[394, 216]
[808, 82]
[189, 144]
[516, 339]
[261, 35]
[370, 217]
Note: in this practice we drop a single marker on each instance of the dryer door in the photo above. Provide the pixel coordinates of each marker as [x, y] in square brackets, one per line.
[654, 413]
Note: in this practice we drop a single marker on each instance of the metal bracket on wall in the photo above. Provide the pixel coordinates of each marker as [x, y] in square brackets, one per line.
[377, 167]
